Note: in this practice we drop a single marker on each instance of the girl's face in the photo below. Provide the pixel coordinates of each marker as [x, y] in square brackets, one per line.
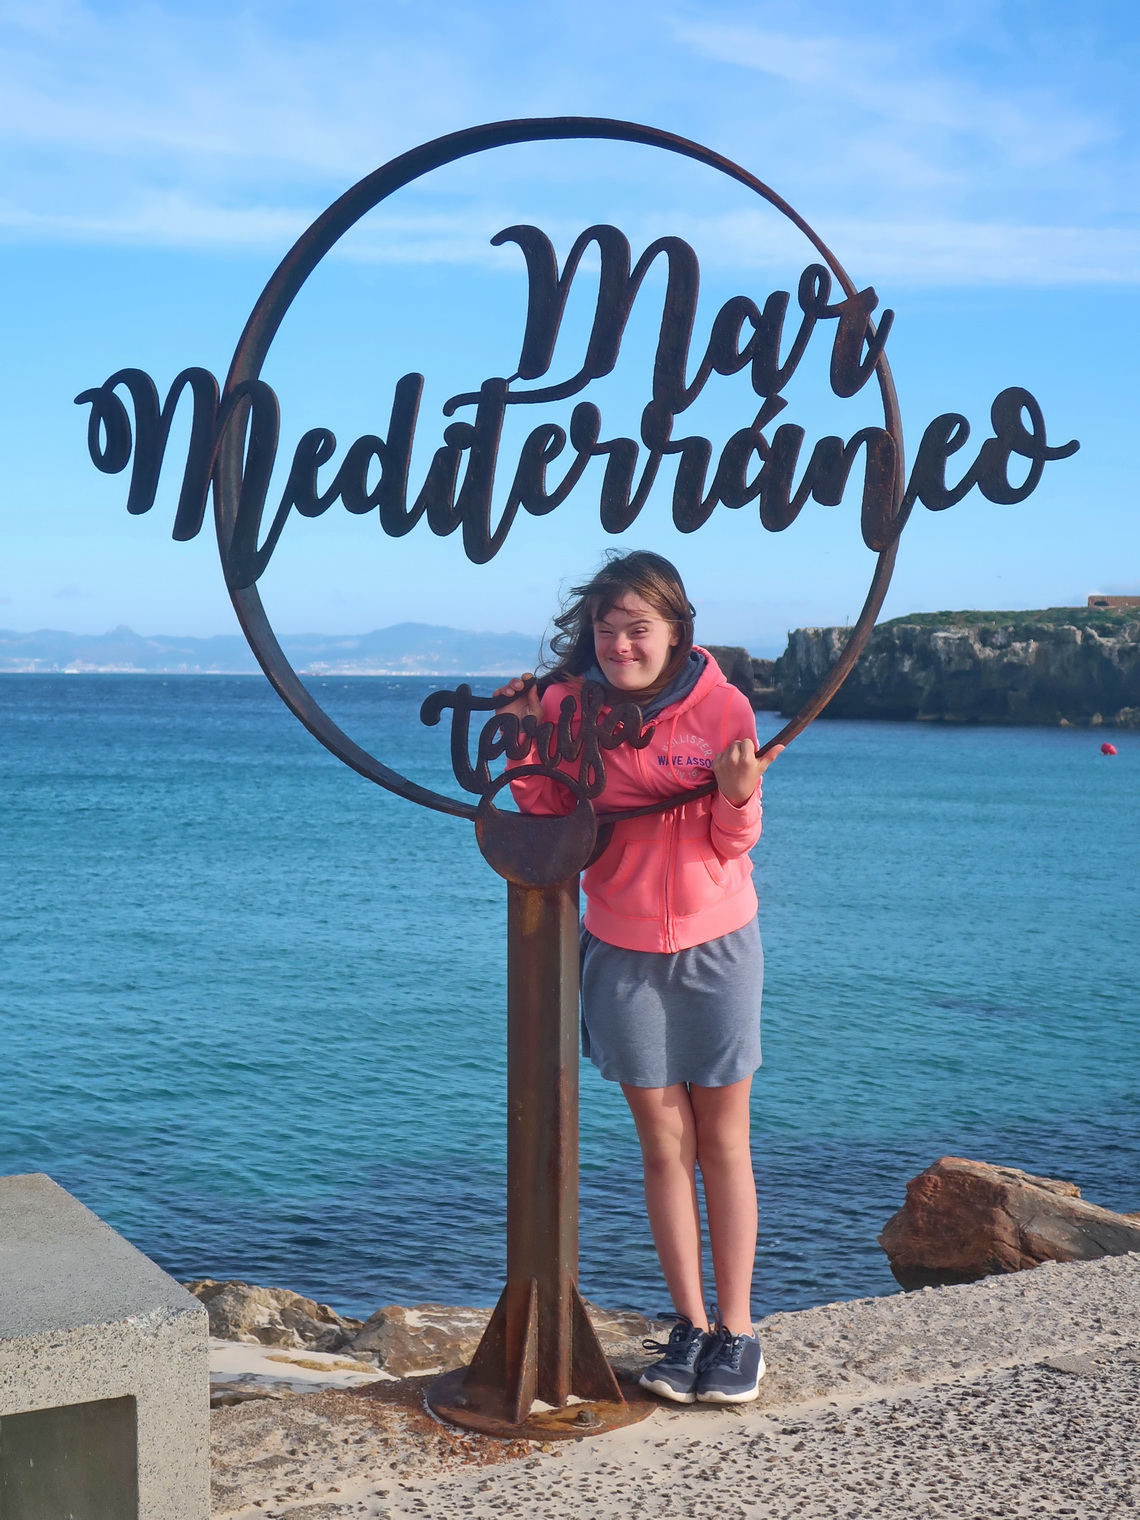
[632, 642]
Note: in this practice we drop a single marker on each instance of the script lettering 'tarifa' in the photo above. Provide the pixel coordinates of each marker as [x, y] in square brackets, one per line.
[582, 730]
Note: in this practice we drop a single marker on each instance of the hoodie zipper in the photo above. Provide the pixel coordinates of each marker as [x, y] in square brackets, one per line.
[669, 822]
[670, 867]
[668, 923]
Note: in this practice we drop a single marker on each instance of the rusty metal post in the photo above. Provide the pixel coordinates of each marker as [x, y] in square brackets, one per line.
[540, 1343]
[542, 1141]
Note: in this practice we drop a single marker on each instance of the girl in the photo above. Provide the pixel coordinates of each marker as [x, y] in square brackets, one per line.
[672, 965]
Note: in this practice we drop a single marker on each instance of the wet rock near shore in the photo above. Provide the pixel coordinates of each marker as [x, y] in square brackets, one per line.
[423, 1338]
[964, 1220]
[403, 1341]
[434, 1337]
[242, 1311]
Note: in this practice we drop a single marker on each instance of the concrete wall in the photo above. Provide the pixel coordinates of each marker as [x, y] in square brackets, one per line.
[86, 1317]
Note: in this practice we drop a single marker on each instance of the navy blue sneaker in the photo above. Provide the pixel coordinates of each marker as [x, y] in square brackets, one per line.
[675, 1375]
[730, 1369]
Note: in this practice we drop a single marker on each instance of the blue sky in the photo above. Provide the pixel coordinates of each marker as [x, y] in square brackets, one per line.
[976, 163]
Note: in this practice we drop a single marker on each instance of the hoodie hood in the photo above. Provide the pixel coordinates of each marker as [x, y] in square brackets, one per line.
[682, 684]
[690, 686]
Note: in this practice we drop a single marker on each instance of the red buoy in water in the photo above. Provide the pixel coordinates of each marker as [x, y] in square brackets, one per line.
[1108, 749]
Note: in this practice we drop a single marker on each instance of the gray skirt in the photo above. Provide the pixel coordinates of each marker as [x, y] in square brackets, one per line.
[650, 1019]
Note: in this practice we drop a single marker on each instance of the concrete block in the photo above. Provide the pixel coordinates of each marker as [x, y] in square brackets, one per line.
[104, 1370]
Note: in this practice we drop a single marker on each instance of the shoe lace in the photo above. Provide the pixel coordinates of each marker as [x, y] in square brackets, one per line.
[724, 1351]
[682, 1331]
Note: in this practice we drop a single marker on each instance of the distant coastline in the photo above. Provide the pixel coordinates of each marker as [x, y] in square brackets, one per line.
[405, 649]
[1072, 666]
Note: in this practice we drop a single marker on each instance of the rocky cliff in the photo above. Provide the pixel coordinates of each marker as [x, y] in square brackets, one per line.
[756, 678]
[1062, 665]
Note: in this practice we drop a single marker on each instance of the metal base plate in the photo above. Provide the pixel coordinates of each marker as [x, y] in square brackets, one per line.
[487, 1411]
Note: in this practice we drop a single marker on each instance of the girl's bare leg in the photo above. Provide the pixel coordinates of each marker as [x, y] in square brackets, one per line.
[721, 1117]
[668, 1135]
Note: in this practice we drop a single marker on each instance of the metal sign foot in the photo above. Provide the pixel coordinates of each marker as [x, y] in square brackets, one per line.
[492, 1413]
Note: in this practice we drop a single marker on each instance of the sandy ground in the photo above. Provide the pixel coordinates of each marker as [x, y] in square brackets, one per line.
[1016, 1396]
[239, 1371]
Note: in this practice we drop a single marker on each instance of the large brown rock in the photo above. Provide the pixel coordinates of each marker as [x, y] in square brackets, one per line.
[271, 1316]
[964, 1220]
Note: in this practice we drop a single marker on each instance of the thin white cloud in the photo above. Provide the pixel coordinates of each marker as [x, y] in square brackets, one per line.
[980, 253]
[920, 253]
[929, 252]
[172, 220]
[881, 79]
[923, 124]
[215, 92]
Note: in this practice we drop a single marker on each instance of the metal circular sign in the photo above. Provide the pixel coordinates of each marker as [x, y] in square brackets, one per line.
[277, 297]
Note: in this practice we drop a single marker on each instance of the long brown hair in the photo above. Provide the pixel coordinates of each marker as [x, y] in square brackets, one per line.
[647, 575]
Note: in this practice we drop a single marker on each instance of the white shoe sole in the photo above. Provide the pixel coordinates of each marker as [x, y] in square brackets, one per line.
[736, 1398]
[667, 1391]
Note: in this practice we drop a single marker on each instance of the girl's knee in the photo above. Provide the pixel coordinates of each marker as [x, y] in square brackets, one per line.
[664, 1153]
[723, 1142]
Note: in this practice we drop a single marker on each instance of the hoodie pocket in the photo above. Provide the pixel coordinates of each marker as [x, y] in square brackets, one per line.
[699, 879]
[608, 876]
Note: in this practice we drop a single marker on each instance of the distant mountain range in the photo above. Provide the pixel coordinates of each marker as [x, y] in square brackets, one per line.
[405, 649]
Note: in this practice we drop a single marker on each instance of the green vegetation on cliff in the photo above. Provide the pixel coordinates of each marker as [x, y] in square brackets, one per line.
[1103, 620]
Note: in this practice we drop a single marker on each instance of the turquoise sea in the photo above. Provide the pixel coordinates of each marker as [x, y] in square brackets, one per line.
[252, 1006]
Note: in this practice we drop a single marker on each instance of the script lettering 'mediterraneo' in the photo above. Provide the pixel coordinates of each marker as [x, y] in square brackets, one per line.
[458, 491]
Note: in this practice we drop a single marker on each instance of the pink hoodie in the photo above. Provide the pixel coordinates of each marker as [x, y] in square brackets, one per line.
[673, 879]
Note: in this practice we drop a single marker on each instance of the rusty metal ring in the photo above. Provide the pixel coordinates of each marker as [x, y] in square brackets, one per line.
[275, 301]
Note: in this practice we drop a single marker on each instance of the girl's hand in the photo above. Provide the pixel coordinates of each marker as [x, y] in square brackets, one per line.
[738, 769]
[524, 690]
